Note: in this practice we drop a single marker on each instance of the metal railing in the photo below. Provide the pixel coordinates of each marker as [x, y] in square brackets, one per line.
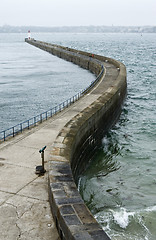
[48, 114]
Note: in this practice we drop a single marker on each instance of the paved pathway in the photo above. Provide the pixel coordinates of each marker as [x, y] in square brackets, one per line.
[24, 207]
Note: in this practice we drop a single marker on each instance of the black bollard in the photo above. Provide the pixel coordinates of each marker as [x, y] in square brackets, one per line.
[40, 169]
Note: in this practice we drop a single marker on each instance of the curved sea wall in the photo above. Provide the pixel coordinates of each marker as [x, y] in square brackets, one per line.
[77, 142]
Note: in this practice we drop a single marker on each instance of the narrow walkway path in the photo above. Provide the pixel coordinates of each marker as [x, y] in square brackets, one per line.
[24, 206]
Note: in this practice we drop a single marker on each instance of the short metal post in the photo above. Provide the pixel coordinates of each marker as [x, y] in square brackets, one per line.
[40, 169]
[42, 156]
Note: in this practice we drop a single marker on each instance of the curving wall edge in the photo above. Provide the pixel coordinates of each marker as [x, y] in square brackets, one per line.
[77, 142]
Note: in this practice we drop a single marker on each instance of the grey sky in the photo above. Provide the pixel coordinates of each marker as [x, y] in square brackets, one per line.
[77, 12]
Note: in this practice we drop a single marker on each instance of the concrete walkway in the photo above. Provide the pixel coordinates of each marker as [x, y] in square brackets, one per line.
[24, 206]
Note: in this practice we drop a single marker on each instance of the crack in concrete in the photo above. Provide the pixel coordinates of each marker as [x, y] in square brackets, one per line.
[19, 235]
[29, 209]
[17, 218]
[13, 194]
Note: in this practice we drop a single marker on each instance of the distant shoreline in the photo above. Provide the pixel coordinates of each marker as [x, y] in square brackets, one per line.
[79, 29]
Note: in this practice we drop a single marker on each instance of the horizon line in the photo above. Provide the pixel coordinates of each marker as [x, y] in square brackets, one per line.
[8, 25]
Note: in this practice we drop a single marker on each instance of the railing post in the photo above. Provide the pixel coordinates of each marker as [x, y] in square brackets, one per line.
[4, 135]
[13, 132]
[21, 127]
[41, 117]
[28, 124]
[46, 115]
[34, 121]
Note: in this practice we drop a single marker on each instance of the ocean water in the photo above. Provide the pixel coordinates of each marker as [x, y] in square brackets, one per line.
[33, 81]
[119, 186]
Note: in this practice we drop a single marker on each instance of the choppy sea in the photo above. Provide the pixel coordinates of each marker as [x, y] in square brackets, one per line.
[119, 186]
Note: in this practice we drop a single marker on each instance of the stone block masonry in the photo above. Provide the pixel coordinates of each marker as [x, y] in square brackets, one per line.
[77, 141]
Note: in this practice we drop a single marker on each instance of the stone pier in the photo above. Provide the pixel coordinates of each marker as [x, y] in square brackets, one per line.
[49, 206]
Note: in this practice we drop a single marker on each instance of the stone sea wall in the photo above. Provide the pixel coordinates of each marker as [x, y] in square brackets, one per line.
[77, 142]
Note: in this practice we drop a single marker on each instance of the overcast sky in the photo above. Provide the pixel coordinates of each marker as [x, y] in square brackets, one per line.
[77, 12]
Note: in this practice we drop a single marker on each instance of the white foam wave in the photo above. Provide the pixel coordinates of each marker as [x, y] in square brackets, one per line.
[151, 209]
[121, 217]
